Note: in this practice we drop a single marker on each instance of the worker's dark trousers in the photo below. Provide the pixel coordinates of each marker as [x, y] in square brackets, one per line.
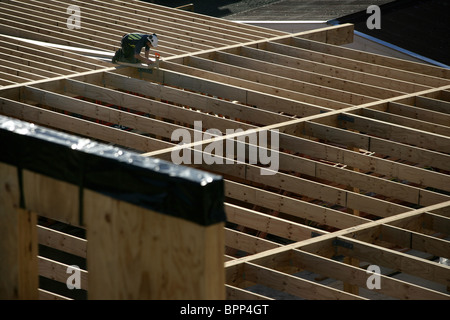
[126, 53]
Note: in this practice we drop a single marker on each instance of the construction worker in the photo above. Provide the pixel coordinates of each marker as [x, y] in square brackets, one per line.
[131, 47]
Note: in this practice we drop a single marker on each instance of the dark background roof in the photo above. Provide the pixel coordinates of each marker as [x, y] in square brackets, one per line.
[274, 9]
[420, 26]
[304, 10]
[217, 8]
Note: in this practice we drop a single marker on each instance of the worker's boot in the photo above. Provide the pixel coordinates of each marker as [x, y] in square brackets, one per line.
[118, 56]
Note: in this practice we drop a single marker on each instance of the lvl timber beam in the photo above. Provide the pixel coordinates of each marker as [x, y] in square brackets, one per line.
[143, 105]
[26, 56]
[303, 245]
[413, 67]
[416, 124]
[87, 37]
[18, 29]
[113, 38]
[246, 96]
[379, 165]
[80, 127]
[153, 233]
[234, 293]
[236, 58]
[195, 100]
[166, 134]
[36, 72]
[396, 260]
[291, 206]
[382, 146]
[301, 186]
[304, 119]
[284, 142]
[377, 83]
[294, 285]
[427, 222]
[56, 101]
[433, 104]
[395, 132]
[91, 23]
[269, 224]
[78, 63]
[273, 79]
[406, 239]
[123, 24]
[358, 276]
[286, 283]
[415, 112]
[418, 82]
[246, 242]
[254, 86]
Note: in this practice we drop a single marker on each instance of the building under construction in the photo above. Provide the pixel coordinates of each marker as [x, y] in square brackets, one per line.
[357, 206]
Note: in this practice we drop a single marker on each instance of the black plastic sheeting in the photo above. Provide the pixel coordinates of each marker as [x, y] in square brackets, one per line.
[161, 186]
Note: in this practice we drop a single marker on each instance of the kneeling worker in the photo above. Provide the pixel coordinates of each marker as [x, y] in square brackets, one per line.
[131, 46]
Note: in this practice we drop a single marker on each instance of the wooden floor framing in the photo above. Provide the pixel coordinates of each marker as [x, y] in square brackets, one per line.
[364, 140]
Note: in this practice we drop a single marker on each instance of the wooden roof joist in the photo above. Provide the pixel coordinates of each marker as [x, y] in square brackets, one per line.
[318, 170]
[343, 272]
[394, 71]
[308, 167]
[314, 255]
[27, 62]
[93, 34]
[16, 49]
[363, 173]
[247, 57]
[255, 85]
[214, 87]
[282, 85]
[373, 81]
[370, 58]
[110, 24]
[389, 131]
[167, 136]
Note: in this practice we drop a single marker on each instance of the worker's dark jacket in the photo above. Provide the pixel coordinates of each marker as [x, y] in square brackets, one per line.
[132, 43]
